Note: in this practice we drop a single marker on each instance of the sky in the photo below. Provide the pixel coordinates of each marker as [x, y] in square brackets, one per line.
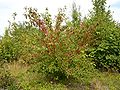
[8, 7]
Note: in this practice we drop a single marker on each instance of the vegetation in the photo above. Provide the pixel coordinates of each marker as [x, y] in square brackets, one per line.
[43, 54]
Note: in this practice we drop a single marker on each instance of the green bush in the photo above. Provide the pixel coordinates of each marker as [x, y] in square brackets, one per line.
[60, 56]
[19, 42]
[7, 49]
[105, 50]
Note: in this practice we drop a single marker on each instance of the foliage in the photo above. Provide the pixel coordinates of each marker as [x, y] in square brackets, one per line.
[60, 56]
[60, 53]
[52, 51]
[105, 48]
[76, 16]
[7, 49]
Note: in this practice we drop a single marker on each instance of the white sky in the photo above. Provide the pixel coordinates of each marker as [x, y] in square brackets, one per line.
[7, 7]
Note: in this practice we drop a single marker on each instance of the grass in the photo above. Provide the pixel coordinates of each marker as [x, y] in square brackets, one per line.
[16, 68]
[35, 81]
[111, 80]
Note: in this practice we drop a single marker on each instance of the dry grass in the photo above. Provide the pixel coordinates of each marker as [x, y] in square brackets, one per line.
[16, 68]
[105, 81]
[98, 85]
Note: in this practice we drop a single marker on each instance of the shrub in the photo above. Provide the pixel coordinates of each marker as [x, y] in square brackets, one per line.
[7, 49]
[19, 42]
[60, 56]
[105, 49]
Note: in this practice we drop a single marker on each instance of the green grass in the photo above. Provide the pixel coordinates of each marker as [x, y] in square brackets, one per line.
[34, 81]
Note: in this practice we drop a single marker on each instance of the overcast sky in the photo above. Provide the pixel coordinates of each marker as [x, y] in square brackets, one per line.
[7, 7]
